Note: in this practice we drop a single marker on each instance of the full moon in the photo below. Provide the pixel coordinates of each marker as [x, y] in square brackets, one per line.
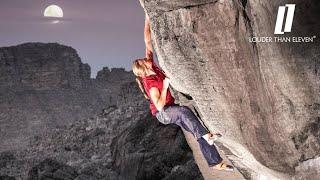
[53, 11]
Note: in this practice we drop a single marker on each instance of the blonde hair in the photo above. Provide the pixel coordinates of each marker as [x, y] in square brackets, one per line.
[139, 69]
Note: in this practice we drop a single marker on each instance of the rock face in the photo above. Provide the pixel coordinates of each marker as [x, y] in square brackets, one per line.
[264, 97]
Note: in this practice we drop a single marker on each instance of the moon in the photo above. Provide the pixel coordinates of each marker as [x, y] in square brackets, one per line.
[53, 11]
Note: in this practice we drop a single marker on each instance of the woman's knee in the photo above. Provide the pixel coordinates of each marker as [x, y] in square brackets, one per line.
[163, 118]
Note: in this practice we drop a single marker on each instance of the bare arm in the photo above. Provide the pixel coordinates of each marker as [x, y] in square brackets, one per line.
[147, 38]
[159, 97]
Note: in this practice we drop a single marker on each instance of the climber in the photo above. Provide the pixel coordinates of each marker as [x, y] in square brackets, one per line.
[154, 85]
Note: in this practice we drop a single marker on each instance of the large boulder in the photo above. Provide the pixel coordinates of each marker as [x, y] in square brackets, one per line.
[149, 150]
[263, 97]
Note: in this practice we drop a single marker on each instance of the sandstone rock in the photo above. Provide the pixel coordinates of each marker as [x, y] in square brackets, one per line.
[263, 97]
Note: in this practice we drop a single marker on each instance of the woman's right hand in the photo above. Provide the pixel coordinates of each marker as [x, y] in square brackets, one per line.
[166, 83]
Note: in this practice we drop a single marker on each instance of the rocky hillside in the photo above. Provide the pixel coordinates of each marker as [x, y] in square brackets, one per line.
[264, 97]
[58, 123]
[44, 86]
[123, 142]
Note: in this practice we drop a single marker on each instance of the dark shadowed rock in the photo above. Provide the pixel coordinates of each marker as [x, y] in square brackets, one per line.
[5, 158]
[51, 169]
[7, 178]
[263, 97]
[149, 150]
[185, 172]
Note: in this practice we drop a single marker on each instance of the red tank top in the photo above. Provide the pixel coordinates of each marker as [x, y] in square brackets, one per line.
[157, 82]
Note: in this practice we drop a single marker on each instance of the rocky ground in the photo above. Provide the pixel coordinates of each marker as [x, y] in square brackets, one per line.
[121, 143]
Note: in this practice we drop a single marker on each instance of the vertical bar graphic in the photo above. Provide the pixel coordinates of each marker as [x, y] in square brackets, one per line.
[289, 20]
[279, 22]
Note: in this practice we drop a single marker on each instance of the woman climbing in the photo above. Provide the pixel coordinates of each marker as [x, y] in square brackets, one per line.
[154, 84]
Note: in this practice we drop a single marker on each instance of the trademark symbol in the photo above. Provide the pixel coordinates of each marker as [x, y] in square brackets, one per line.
[314, 37]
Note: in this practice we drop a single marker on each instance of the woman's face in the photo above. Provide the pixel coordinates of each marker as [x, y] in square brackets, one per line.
[142, 67]
[148, 65]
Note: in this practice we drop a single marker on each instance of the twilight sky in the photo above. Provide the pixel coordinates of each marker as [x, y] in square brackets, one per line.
[104, 32]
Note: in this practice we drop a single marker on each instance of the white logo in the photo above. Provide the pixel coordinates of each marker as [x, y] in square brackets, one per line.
[280, 19]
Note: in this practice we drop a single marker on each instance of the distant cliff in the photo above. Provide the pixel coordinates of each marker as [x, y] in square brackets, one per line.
[42, 66]
[43, 86]
[116, 75]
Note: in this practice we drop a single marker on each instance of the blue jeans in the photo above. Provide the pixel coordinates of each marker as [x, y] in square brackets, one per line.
[184, 117]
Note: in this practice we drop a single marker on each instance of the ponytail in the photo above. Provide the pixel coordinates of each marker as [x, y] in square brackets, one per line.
[138, 80]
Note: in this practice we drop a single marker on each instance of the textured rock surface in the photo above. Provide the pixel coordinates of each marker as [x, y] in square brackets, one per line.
[264, 97]
[308, 169]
